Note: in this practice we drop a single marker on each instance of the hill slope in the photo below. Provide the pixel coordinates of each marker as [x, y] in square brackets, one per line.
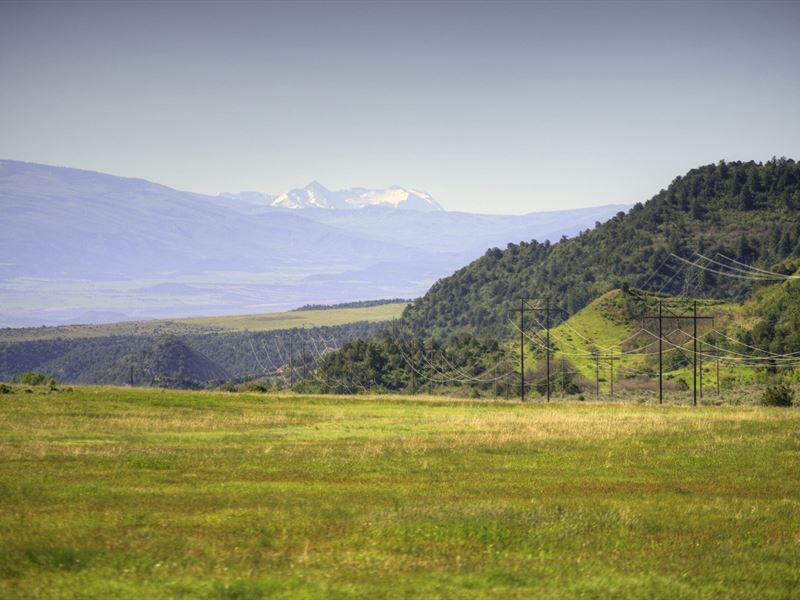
[167, 362]
[745, 210]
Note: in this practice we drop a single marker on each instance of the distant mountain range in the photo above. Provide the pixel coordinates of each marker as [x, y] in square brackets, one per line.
[79, 245]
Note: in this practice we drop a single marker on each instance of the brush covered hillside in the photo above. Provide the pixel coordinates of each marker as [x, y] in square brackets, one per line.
[747, 211]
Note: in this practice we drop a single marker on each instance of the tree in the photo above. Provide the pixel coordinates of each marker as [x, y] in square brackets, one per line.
[697, 209]
[785, 245]
[746, 198]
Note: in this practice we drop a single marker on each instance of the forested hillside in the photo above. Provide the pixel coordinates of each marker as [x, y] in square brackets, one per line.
[190, 360]
[748, 211]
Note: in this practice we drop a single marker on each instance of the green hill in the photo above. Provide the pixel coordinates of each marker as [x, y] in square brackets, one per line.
[166, 362]
[748, 211]
[606, 340]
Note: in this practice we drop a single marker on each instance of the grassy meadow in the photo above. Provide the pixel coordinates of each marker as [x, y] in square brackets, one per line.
[145, 493]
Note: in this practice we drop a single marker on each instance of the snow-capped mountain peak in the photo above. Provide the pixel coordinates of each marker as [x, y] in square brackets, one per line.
[316, 195]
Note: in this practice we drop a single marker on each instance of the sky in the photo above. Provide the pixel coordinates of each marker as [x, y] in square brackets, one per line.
[491, 107]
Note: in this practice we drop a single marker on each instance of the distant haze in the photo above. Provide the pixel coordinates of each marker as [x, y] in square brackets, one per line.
[489, 107]
[89, 247]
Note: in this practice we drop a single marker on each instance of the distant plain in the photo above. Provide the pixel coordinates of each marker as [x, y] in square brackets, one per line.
[269, 321]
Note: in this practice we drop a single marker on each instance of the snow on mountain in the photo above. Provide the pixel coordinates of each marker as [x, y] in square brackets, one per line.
[315, 195]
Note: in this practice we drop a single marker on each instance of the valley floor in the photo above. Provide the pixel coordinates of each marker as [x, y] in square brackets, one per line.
[132, 493]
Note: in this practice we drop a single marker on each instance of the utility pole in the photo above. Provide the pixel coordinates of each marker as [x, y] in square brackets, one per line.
[695, 317]
[659, 316]
[716, 354]
[521, 350]
[413, 379]
[660, 355]
[430, 379]
[697, 359]
[700, 362]
[694, 358]
[547, 310]
[291, 366]
[521, 311]
[547, 343]
[131, 375]
[611, 360]
[596, 375]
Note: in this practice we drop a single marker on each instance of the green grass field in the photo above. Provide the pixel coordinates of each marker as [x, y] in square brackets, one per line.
[254, 322]
[120, 493]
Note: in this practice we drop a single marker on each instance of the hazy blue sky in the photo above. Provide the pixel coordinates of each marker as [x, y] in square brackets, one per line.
[496, 107]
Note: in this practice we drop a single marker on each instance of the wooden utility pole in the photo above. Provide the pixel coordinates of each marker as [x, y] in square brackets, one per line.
[700, 362]
[716, 355]
[547, 343]
[697, 359]
[660, 316]
[660, 356]
[291, 364]
[521, 350]
[413, 380]
[547, 310]
[596, 375]
[521, 311]
[430, 379]
[611, 360]
[694, 358]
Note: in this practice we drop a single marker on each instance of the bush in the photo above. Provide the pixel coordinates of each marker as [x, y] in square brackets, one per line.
[34, 378]
[6, 389]
[778, 395]
[255, 385]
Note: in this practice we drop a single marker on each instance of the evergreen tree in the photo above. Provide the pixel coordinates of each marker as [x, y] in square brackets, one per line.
[746, 198]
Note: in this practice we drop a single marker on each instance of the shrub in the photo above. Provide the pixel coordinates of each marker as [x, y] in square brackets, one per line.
[255, 386]
[33, 378]
[6, 389]
[778, 395]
